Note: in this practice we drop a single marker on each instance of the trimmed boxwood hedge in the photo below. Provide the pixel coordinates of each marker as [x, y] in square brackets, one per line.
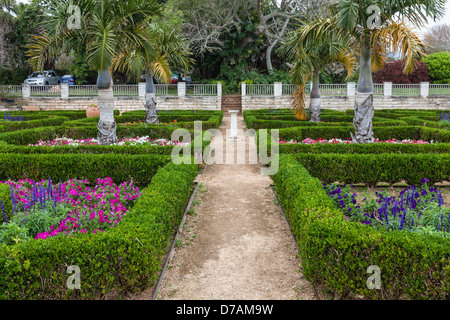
[336, 252]
[32, 136]
[8, 126]
[96, 149]
[382, 133]
[372, 169]
[126, 258]
[120, 167]
[71, 114]
[369, 148]
[255, 123]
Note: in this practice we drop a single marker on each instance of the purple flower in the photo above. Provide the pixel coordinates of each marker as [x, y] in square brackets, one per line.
[424, 180]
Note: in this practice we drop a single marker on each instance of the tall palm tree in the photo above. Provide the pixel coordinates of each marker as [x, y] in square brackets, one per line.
[107, 27]
[394, 33]
[311, 55]
[169, 49]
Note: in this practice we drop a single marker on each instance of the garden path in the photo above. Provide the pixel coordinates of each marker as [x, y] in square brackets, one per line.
[236, 245]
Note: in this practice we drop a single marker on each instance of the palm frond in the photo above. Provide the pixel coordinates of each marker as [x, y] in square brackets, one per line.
[401, 38]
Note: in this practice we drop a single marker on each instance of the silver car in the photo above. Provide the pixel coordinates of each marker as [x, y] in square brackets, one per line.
[44, 78]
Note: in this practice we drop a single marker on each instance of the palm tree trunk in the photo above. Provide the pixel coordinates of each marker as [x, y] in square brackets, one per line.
[314, 106]
[364, 98]
[150, 100]
[106, 124]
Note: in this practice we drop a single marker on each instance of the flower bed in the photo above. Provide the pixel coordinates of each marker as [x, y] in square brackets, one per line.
[418, 209]
[43, 209]
[127, 258]
[349, 141]
[336, 252]
[122, 142]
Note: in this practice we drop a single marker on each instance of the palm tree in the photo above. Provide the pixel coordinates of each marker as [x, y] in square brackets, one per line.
[169, 49]
[311, 55]
[107, 28]
[374, 41]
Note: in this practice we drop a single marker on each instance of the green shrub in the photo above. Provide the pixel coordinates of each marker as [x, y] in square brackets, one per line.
[120, 167]
[23, 125]
[5, 197]
[29, 136]
[369, 148]
[382, 133]
[372, 169]
[439, 66]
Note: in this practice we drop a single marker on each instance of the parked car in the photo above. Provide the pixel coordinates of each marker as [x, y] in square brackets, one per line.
[44, 78]
[174, 79]
[68, 78]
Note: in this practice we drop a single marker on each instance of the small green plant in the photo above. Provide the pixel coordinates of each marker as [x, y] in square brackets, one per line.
[12, 233]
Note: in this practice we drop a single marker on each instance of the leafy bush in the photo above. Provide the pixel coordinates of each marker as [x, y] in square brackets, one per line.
[369, 148]
[439, 66]
[120, 167]
[372, 169]
[394, 72]
[22, 125]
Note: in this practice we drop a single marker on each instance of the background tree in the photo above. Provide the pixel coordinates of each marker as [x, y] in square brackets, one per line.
[375, 40]
[7, 8]
[438, 38]
[169, 48]
[107, 27]
[310, 55]
[26, 23]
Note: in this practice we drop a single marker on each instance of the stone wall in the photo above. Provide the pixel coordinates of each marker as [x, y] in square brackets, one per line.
[342, 103]
[122, 104]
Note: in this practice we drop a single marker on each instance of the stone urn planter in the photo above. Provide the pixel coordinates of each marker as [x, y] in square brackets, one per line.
[92, 111]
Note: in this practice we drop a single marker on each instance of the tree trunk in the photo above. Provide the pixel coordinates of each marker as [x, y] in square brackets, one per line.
[314, 106]
[106, 125]
[150, 100]
[364, 98]
[269, 56]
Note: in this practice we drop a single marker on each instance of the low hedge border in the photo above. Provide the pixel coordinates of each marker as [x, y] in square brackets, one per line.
[370, 148]
[23, 125]
[255, 123]
[71, 114]
[336, 252]
[419, 121]
[96, 149]
[372, 169]
[32, 136]
[127, 258]
[382, 133]
[120, 167]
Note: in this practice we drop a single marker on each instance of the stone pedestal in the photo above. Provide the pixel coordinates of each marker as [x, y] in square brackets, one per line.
[233, 127]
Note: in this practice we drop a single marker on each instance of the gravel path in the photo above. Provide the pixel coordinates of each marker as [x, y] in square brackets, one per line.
[235, 244]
